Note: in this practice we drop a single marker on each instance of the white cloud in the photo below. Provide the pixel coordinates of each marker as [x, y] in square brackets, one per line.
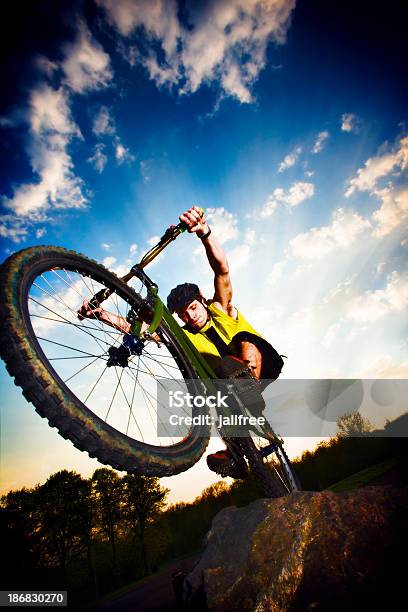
[346, 226]
[350, 122]
[386, 367]
[122, 153]
[225, 41]
[276, 273]
[298, 193]
[40, 232]
[99, 158]
[105, 246]
[238, 257]
[378, 167]
[290, 159]
[249, 237]
[133, 248]
[52, 129]
[153, 240]
[331, 335]
[145, 170]
[224, 33]
[380, 268]
[269, 207]
[58, 186]
[103, 123]
[109, 261]
[320, 141]
[375, 304]
[158, 17]
[393, 210]
[295, 195]
[12, 228]
[224, 224]
[86, 65]
[45, 65]
[50, 113]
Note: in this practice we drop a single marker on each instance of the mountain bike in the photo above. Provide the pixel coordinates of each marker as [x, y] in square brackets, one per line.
[97, 385]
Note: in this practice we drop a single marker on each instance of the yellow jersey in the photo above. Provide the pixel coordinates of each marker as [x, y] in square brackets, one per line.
[226, 327]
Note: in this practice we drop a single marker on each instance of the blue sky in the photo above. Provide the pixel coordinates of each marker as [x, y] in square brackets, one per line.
[286, 121]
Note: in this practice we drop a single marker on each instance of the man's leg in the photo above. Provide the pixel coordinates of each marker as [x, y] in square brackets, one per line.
[247, 351]
[229, 461]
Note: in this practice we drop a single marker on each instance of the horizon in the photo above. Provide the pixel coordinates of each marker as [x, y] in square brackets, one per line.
[285, 120]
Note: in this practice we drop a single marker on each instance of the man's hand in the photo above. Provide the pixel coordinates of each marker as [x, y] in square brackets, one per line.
[195, 221]
[86, 312]
[113, 320]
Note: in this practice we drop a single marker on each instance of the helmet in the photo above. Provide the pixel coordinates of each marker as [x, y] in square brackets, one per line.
[182, 295]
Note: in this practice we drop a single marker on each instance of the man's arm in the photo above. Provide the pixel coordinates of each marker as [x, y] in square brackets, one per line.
[216, 257]
[111, 319]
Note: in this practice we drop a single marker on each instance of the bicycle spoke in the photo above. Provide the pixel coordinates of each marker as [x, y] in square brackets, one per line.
[141, 387]
[82, 369]
[114, 395]
[148, 356]
[79, 327]
[94, 386]
[70, 323]
[131, 407]
[101, 327]
[127, 402]
[68, 347]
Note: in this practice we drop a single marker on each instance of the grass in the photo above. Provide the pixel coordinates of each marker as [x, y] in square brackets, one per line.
[364, 477]
[113, 595]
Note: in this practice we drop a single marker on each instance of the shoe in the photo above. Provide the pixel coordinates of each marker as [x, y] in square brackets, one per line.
[223, 463]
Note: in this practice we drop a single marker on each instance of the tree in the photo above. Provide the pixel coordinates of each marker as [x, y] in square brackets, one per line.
[353, 424]
[18, 536]
[107, 488]
[143, 499]
[59, 508]
[87, 519]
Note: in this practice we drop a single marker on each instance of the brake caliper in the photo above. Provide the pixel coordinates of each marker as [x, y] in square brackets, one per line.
[133, 343]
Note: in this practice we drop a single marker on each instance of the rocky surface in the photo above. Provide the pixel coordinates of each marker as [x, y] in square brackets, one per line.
[306, 551]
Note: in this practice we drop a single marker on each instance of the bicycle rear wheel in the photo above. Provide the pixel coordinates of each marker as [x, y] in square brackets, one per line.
[61, 363]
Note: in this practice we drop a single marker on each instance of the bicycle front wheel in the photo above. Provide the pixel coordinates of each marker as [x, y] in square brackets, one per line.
[274, 471]
[62, 364]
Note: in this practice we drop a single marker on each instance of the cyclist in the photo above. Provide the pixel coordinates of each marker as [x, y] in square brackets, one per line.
[217, 329]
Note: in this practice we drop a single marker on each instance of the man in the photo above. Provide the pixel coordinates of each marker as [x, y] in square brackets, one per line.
[220, 333]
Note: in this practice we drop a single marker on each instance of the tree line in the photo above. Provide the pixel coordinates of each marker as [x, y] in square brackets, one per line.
[91, 536]
[76, 532]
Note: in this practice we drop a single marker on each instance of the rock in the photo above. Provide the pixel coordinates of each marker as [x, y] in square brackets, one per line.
[306, 551]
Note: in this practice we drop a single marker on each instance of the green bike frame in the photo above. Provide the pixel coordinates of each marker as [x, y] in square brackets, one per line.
[161, 313]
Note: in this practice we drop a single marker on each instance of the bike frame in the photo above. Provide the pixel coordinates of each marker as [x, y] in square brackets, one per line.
[161, 313]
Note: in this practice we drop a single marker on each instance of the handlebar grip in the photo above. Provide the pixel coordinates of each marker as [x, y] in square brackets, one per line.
[182, 226]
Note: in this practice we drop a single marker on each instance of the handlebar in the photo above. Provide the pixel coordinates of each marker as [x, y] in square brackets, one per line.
[169, 235]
